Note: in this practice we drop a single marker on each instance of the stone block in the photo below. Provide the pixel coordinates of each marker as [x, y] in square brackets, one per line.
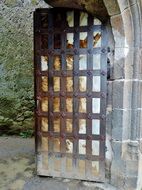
[137, 57]
[132, 2]
[127, 94]
[128, 28]
[129, 63]
[139, 183]
[135, 127]
[130, 151]
[136, 24]
[112, 7]
[140, 124]
[118, 30]
[131, 183]
[123, 172]
[117, 150]
[119, 61]
[117, 124]
[109, 93]
[117, 167]
[118, 87]
[140, 63]
[131, 168]
[123, 5]
[109, 120]
[126, 63]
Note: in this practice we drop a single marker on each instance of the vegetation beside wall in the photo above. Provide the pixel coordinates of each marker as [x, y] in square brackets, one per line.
[16, 65]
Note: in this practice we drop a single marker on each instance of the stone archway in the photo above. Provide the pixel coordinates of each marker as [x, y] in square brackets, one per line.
[124, 104]
[126, 127]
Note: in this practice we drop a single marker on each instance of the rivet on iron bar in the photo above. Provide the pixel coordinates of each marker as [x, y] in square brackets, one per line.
[39, 134]
[76, 114]
[62, 51]
[51, 73]
[62, 155]
[103, 73]
[90, 28]
[63, 135]
[103, 117]
[108, 49]
[75, 136]
[89, 116]
[76, 30]
[89, 73]
[103, 95]
[74, 156]
[50, 52]
[38, 113]
[50, 31]
[89, 51]
[89, 94]
[38, 98]
[38, 73]
[63, 114]
[89, 137]
[51, 114]
[86, 157]
[102, 138]
[50, 134]
[63, 73]
[75, 51]
[75, 94]
[75, 73]
[49, 154]
[62, 94]
[103, 50]
[101, 158]
[89, 157]
[50, 93]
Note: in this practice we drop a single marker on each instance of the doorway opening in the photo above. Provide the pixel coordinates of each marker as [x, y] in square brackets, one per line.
[70, 94]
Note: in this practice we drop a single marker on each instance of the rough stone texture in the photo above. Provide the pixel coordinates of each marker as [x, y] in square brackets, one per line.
[118, 94]
[112, 7]
[95, 7]
[126, 28]
[16, 65]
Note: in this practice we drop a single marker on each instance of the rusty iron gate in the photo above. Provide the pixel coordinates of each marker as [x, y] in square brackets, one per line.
[70, 57]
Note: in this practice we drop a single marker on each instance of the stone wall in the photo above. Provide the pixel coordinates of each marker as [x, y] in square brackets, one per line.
[16, 64]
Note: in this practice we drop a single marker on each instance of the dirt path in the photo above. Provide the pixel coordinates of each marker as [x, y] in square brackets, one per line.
[17, 170]
[16, 162]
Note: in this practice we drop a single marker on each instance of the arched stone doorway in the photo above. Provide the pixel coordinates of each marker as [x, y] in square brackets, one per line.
[124, 106]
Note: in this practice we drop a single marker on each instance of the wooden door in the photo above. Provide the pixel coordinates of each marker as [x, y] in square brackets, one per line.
[70, 93]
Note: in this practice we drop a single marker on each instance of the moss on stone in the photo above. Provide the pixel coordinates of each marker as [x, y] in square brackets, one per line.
[34, 2]
[10, 2]
[16, 77]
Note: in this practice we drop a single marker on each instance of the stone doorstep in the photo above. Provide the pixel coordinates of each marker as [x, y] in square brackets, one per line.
[61, 184]
[102, 186]
[64, 184]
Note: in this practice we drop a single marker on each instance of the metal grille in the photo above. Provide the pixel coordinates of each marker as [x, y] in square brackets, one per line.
[70, 93]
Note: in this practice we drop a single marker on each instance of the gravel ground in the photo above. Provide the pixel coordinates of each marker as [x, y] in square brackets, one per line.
[17, 170]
